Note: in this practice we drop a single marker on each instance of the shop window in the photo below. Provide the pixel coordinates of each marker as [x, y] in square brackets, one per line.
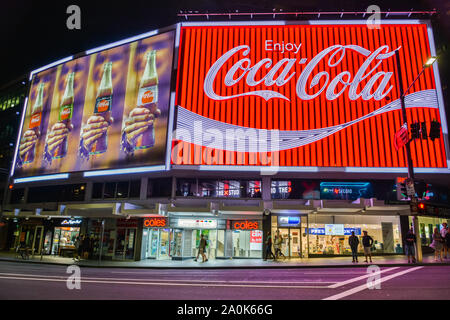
[159, 188]
[110, 190]
[97, 190]
[186, 187]
[18, 195]
[122, 189]
[135, 189]
[73, 192]
[229, 188]
[295, 189]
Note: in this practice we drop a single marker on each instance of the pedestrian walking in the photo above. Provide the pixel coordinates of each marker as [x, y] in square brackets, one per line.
[410, 240]
[444, 232]
[447, 239]
[278, 243]
[367, 242]
[85, 247]
[202, 249]
[437, 244]
[77, 252]
[353, 241]
[269, 247]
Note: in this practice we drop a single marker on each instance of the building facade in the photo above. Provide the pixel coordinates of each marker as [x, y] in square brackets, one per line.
[240, 130]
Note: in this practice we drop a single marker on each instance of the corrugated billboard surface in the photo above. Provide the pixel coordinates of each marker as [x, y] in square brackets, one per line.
[105, 110]
[303, 95]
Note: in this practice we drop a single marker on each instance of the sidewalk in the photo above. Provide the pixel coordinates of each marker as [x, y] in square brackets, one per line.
[337, 262]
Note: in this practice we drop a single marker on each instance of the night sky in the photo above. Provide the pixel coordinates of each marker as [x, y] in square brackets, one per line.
[34, 33]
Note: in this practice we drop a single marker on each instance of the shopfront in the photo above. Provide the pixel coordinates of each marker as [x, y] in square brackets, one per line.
[328, 234]
[246, 239]
[292, 231]
[427, 226]
[114, 239]
[62, 240]
[31, 234]
[186, 234]
[156, 238]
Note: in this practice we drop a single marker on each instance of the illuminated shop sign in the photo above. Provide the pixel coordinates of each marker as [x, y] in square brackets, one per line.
[345, 190]
[304, 96]
[197, 223]
[71, 222]
[256, 240]
[156, 222]
[288, 221]
[245, 225]
[334, 229]
[347, 232]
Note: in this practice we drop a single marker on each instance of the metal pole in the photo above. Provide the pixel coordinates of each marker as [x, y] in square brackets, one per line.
[408, 154]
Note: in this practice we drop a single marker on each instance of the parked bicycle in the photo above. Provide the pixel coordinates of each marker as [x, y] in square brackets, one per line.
[23, 252]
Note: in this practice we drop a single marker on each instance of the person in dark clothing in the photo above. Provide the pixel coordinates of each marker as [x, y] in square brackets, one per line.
[202, 249]
[353, 241]
[85, 246]
[410, 240]
[269, 247]
[367, 242]
[447, 239]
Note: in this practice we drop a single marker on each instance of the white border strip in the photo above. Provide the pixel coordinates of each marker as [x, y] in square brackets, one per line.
[123, 171]
[441, 105]
[302, 22]
[32, 73]
[308, 169]
[18, 136]
[42, 178]
[170, 129]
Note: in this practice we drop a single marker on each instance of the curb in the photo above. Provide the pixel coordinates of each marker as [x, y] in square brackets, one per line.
[236, 267]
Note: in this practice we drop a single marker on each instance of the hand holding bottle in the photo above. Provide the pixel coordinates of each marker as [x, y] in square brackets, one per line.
[57, 135]
[95, 129]
[138, 122]
[27, 142]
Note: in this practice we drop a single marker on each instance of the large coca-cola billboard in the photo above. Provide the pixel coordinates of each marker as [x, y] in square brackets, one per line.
[308, 95]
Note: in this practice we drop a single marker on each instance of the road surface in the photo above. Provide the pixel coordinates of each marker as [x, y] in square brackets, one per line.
[39, 281]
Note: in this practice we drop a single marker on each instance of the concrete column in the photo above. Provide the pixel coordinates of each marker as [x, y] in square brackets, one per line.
[415, 220]
[143, 192]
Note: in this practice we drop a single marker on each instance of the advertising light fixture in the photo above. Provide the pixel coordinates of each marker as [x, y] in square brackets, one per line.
[42, 178]
[123, 171]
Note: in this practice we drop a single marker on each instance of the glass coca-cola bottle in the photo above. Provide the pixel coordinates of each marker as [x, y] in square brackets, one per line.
[103, 106]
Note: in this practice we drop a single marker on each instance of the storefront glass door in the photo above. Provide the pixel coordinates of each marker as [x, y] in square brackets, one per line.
[125, 240]
[291, 245]
[163, 248]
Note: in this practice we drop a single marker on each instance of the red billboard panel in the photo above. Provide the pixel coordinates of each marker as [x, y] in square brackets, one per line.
[303, 95]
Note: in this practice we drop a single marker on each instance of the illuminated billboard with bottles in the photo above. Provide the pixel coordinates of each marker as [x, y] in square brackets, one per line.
[108, 109]
[305, 95]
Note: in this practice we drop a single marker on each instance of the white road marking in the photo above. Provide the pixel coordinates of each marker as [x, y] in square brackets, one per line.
[343, 283]
[166, 280]
[169, 284]
[364, 286]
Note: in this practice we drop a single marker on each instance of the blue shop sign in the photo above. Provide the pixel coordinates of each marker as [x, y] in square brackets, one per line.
[289, 221]
[345, 190]
[347, 231]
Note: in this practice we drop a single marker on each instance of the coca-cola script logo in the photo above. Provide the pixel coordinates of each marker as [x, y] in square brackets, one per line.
[147, 97]
[65, 113]
[35, 120]
[103, 105]
[376, 83]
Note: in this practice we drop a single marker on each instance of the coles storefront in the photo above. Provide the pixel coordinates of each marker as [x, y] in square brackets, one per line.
[179, 239]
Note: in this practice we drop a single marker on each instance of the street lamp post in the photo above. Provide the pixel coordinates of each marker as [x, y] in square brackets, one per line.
[429, 62]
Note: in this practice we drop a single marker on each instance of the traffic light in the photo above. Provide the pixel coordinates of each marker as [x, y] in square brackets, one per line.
[435, 130]
[424, 130]
[421, 207]
[415, 130]
[403, 190]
